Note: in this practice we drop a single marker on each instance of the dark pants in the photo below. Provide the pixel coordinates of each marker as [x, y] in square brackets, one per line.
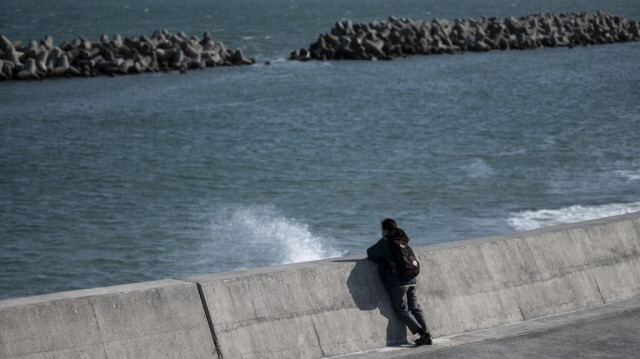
[406, 305]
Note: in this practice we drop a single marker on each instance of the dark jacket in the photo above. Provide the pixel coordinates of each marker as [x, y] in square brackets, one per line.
[380, 254]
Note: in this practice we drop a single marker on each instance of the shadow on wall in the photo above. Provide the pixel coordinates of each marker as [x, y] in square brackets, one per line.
[368, 293]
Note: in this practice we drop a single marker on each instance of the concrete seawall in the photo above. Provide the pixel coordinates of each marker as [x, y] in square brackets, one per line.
[332, 307]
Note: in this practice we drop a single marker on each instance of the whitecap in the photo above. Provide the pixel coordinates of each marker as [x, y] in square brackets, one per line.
[261, 233]
[533, 219]
[479, 168]
[630, 175]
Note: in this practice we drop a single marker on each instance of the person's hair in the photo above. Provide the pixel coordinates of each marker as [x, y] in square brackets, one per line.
[398, 232]
[389, 224]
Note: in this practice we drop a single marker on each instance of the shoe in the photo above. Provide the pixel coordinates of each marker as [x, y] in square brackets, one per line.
[424, 339]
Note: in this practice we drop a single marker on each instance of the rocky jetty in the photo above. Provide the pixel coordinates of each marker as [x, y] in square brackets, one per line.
[163, 51]
[403, 37]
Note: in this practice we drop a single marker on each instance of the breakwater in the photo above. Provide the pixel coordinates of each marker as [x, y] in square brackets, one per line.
[384, 40]
[335, 306]
[403, 37]
[162, 51]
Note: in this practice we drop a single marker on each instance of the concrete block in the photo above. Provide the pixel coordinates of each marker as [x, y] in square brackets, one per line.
[459, 293]
[459, 314]
[562, 294]
[613, 250]
[159, 319]
[345, 331]
[612, 241]
[46, 326]
[318, 310]
[620, 281]
[187, 343]
[273, 338]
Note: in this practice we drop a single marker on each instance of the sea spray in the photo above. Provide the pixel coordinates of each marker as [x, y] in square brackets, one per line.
[261, 235]
[631, 175]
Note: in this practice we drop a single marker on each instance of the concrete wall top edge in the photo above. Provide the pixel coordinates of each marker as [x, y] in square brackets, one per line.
[203, 278]
[122, 288]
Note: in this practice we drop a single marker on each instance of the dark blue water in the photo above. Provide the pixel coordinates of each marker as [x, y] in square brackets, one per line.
[115, 180]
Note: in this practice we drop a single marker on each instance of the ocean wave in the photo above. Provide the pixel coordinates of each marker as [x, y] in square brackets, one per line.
[479, 168]
[533, 219]
[261, 233]
[630, 175]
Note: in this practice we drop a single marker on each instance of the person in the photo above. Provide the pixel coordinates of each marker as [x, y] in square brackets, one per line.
[402, 292]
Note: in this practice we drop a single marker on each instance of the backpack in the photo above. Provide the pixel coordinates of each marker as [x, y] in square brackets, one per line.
[403, 263]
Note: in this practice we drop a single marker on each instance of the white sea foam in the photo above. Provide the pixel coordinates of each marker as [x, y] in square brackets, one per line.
[263, 233]
[630, 175]
[479, 168]
[533, 219]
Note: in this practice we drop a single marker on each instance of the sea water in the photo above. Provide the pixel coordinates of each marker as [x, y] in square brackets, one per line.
[106, 181]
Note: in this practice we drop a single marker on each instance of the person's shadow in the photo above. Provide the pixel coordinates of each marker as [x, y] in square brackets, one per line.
[368, 293]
